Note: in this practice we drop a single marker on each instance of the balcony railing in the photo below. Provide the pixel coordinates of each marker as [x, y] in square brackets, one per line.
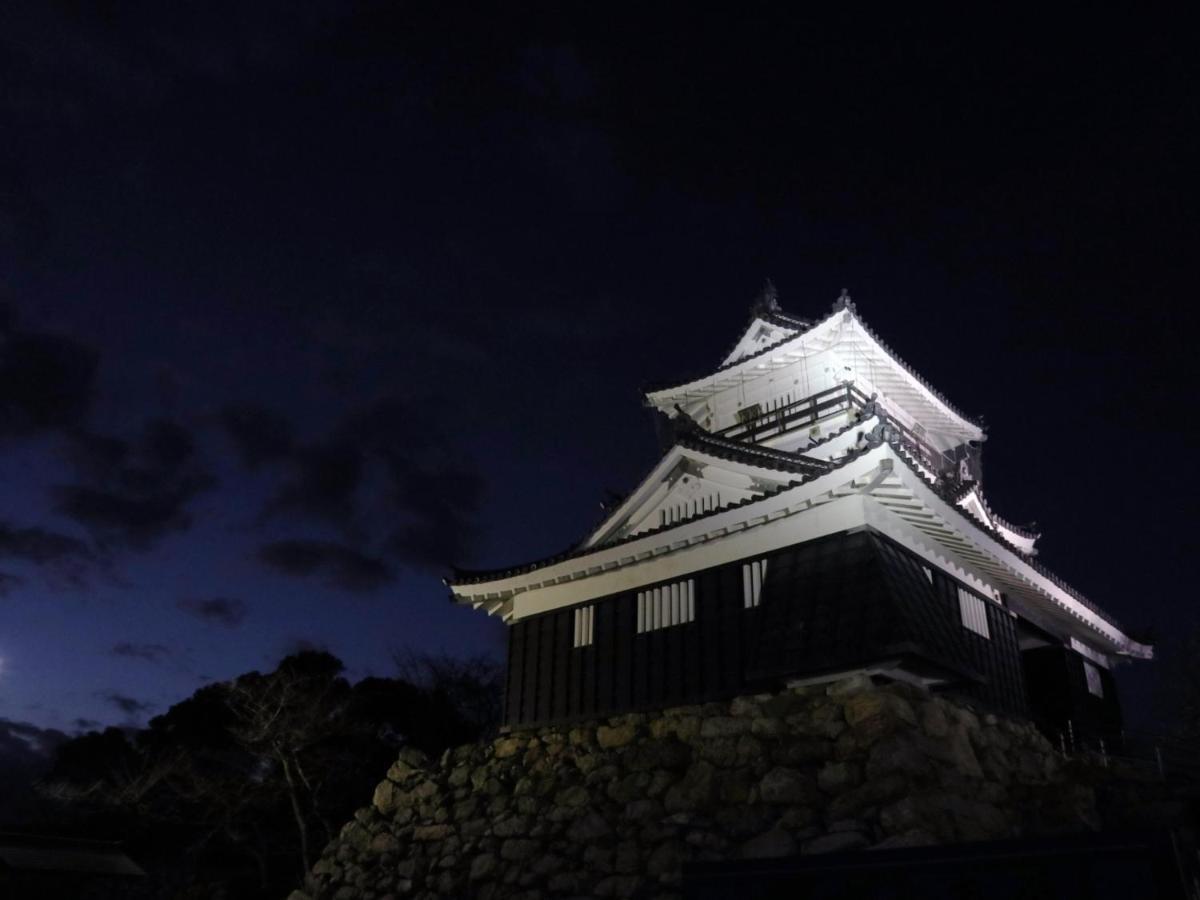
[808, 411]
[804, 413]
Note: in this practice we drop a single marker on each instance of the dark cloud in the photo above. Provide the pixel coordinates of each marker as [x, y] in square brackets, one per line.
[46, 382]
[338, 564]
[82, 724]
[37, 545]
[149, 652]
[443, 503]
[260, 435]
[133, 493]
[60, 556]
[24, 744]
[326, 480]
[126, 704]
[219, 610]
[385, 478]
[9, 583]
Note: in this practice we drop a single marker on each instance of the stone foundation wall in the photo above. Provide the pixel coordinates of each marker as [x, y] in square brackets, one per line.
[613, 808]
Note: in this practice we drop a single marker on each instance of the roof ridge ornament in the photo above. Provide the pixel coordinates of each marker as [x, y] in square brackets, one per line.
[682, 424]
[844, 302]
[767, 300]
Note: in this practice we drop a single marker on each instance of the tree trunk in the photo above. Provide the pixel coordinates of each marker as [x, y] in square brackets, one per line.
[301, 825]
[259, 853]
[326, 827]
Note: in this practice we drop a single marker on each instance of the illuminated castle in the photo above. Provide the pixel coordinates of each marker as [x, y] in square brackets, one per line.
[820, 511]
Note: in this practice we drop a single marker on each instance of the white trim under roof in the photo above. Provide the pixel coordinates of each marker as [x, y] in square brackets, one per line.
[645, 493]
[879, 488]
[758, 335]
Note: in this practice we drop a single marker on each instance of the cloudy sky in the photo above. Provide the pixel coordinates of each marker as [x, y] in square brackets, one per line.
[304, 303]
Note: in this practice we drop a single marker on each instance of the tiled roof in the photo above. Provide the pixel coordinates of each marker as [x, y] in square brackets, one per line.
[842, 303]
[752, 454]
[951, 494]
[947, 491]
[726, 449]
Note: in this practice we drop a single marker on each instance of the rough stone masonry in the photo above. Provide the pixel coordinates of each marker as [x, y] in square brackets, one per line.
[615, 807]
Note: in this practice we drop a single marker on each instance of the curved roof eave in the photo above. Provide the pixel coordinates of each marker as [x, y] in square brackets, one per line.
[936, 398]
[1131, 648]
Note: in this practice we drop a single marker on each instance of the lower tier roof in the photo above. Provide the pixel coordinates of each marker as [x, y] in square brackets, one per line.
[877, 486]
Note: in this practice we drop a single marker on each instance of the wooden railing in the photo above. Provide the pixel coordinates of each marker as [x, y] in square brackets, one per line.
[798, 414]
[806, 412]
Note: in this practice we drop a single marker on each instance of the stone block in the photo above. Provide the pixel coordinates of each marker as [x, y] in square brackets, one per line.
[431, 832]
[385, 842]
[507, 747]
[933, 719]
[838, 776]
[723, 726]
[801, 750]
[384, 798]
[897, 754]
[877, 714]
[611, 737]
[588, 827]
[771, 844]
[695, 790]
[837, 842]
[659, 753]
[618, 886]
[788, 786]
[511, 826]
[483, 866]
[666, 860]
[519, 849]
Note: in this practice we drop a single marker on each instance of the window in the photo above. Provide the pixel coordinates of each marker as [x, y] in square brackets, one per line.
[585, 626]
[749, 414]
[753, 576]
[1095, 685]
[666, 605]
[974, 613]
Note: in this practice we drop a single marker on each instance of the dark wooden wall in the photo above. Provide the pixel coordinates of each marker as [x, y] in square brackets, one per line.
[996, 659]
[1058, 695]
[841, 602]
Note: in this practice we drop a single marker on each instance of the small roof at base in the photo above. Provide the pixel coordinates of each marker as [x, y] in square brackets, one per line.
[40, 853]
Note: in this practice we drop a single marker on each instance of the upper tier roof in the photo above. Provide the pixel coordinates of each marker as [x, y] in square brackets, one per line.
[774, 340]
[769, 325]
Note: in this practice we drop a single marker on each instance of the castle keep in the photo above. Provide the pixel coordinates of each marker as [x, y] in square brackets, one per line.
[819, 512]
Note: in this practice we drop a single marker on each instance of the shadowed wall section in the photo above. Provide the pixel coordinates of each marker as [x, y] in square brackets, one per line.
[850, 601]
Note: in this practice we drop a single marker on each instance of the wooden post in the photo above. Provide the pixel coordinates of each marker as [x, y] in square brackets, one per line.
[1162, 770]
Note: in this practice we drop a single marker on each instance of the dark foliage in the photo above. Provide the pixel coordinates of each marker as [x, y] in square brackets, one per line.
[233, 791]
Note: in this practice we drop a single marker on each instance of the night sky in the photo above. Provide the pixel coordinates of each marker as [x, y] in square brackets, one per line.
[305, 303]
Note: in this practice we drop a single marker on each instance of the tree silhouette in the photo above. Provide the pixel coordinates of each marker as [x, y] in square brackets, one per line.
[263, 768]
